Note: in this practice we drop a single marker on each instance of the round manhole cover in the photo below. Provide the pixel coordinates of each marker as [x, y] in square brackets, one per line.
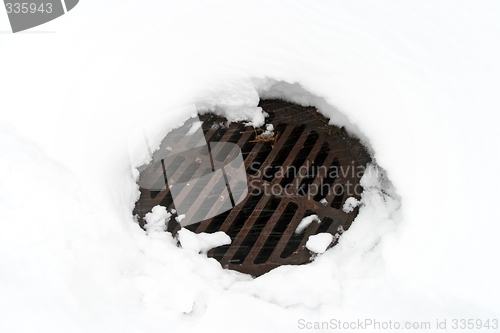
[299, 171]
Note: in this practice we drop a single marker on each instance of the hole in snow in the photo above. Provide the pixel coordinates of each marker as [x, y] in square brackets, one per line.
[301, 167]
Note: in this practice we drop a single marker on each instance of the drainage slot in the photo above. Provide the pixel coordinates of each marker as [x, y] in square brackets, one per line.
[219, 133]
[324, 225]
[188, 173]
[167, 201]
[192, 143]
[189, 199]
[160, 183]
[217, 222]
[248, 146]
[275, 235]
[226, 149]
[296, 239]
[245, 212]
[312, 173]
[259, 159]
[238, 133]
[280, 158]
[193, 227]
[263, 153]
[176, 163]
[208, 203]
[327, 181]
[208, 122]
[254, 233]
[339, 196]
[299, 160]
[238, 223]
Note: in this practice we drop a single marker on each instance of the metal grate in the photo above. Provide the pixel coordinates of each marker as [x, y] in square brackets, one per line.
[310, 168]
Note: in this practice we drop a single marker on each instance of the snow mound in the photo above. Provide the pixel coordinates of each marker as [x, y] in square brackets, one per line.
[202, 242]
[268, 134]
[157, 220]
[234, 99]
[320, 242]
[305, 222]
[350, 204]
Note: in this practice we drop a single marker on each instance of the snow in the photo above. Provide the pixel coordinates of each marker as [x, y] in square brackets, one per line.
[202, 242]
[268, 134]
[305, 222]
[349, 204]
[157, 219]
[417, 81]
[319, 243]
[194, 127]
[180, 218]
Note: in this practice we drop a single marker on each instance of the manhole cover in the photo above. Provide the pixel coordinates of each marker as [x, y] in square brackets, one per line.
[304, 167]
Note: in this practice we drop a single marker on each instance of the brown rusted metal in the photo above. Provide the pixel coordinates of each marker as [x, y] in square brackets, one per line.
[262, 227]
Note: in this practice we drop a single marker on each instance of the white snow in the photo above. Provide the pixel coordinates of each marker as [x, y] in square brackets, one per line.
[268, 134]
[319, 243]
[180, 218]
[202, 242]
[195, 127]
[305, 222]
[349, 204]
[157, 219]
[417, 81]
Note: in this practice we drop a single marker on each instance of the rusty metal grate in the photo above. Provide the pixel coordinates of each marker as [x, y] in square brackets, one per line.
[262, 226]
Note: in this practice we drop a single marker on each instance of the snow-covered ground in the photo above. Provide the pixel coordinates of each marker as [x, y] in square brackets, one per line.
[418, 81]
